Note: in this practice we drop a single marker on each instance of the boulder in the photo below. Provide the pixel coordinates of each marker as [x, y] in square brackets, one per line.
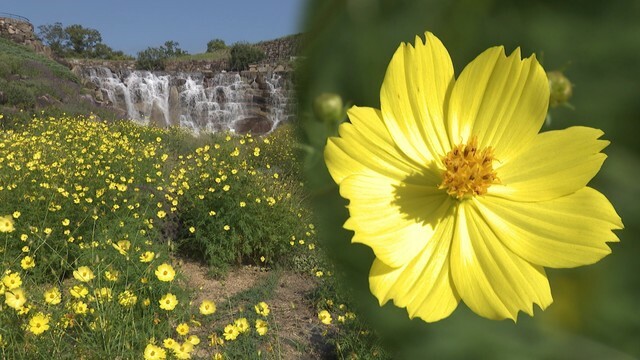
[256, 125]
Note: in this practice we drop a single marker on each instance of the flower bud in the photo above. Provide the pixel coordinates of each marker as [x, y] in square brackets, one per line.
[328, 108]
[560, 87]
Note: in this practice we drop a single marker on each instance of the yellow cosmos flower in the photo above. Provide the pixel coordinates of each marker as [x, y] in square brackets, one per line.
[165, 272]
[153, 352]
[231, 332]
[262, 308]
[147, 256]
[168, 302]
[39, 323]
[78, 291]
[207, 307]
[80, 307]
[261, 327]
[182, 328]
[83, 274]
[52, 296]
[458, 194]
[12, 281]
[6, 224]
[127, 298]
[183, 351]
[169, 343]
[27, 263]
[325, 317]
[193, 339]
[242, 325]
[15, 298]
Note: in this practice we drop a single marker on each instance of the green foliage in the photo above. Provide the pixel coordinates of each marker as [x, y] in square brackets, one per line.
[215, 45]
[77, 41]
[155, 58]
[243, 54]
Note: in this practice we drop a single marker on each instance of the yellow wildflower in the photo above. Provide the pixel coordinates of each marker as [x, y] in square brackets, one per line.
[6, 224]
[207, 307]
[165, 272]
[83, 274]
[261, 327]
[147, 256]
[153, 352]
[231, 332]
[325, 317]
[168, 302]
[262, 308]
[39, 323]
[182, 329]
[52, 296]
[12, 281]
[458, 195]
[15, 298]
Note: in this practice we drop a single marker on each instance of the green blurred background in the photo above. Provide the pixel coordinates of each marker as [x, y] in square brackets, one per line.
[595, 313]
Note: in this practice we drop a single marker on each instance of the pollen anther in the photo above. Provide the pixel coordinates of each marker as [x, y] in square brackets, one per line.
[469, 170]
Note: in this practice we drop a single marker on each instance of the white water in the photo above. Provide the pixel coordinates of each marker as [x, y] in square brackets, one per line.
[193, 101]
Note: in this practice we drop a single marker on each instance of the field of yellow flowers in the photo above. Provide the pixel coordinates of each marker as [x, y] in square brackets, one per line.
[93, 217]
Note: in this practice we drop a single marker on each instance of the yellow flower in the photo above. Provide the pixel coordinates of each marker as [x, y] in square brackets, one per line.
[15, 298]
[83, 274]
[27, 262]
[261, 327]
[182, 329]
[122, 246]
[192, 229]
[80, 307]
[183, 351]
[231, 332]
[12, 281]
[127, 298]
[207, 307]
[193, 339]
[153, 352]
[325, 317]
[39, 323]
[165, 272]
[52, 296]
[169, 343]
[6, 224]
[111, 275]
[242, 325]
[147, 256]
[262, 308]
[168, 302]
[78, 291]
[458, 195]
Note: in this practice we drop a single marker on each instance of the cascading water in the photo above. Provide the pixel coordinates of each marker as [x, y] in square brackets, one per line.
[225, 101]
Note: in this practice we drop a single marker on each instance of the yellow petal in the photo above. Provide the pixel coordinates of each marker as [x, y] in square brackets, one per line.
[415, 89]
[423, 285]
[565, 232]
[502, 100]
[557, 163]
[395, 219]
[365, 146]
[490, 279]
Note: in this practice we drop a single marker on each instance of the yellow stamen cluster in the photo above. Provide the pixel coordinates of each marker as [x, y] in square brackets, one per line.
[469, 170]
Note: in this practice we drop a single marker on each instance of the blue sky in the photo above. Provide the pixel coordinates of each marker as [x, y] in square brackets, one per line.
[134, 25]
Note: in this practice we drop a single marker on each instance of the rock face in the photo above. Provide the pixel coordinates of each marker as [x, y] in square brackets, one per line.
[20, 30]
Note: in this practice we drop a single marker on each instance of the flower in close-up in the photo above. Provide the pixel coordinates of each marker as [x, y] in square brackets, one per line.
[458, 194]
[6, 224]
[325, 317]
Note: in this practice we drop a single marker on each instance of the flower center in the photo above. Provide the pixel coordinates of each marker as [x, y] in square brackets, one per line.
[469, 170]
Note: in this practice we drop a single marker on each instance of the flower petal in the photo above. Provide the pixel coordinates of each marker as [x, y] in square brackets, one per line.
[423, 285]
[395, 219]
[502, 100]
[413, 95]
[365, 146]
[490, 279]
[565, 232]
[556, 164]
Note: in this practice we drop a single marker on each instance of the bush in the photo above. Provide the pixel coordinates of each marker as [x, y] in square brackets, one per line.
[155, 59]
[215, 45]
[243, 54]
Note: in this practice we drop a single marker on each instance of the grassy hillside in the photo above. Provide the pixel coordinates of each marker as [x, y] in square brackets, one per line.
[30, 82]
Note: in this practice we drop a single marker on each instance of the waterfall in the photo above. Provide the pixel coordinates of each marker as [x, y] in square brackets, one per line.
[225, 101]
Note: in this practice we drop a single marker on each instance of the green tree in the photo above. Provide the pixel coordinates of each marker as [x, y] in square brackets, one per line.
[243, 54]
[215, 45]
[55, 37]
[82, 40]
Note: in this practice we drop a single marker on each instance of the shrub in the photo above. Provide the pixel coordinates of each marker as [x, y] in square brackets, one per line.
[215, 45]
[243, 54]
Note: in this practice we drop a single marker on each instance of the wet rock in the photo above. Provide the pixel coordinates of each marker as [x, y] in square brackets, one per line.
[256, 125]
